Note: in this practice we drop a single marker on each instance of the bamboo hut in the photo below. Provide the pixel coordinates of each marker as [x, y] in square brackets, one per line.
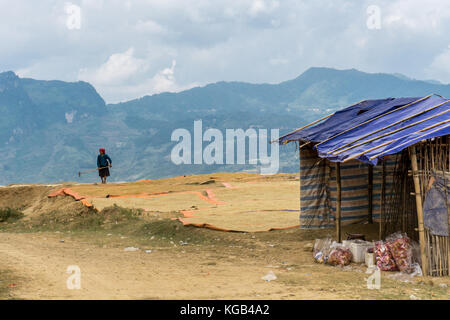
[387, 161]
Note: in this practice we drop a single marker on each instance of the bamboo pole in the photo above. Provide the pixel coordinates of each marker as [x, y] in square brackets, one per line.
[304, 127]
[383, 199]
[312, 123]
[441, 267]
[304, 145]
[368, 150]
[300, 179]
[433, 255]
[377, 117]
[391, 141]
[387, 133]
[446, 161]
[418, 192]
[391, 125]
[422, 130]
[338, 202]
[428, 249]
[370, 195]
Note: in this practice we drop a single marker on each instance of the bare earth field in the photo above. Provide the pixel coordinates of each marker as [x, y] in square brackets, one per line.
[175, 258]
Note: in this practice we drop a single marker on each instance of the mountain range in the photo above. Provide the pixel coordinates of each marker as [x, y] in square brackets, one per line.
[50, 130]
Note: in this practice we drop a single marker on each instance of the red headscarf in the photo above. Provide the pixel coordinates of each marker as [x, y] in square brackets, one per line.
[102, 150]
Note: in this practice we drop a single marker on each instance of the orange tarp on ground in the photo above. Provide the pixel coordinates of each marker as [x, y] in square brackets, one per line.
[71, 193]
[262, 205]
[212, 227]
[191, 214]
[66, 192]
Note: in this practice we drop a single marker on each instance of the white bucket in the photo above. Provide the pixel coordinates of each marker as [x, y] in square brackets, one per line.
[358, 250]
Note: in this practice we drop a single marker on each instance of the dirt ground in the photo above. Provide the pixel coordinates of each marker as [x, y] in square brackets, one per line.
[172, 261]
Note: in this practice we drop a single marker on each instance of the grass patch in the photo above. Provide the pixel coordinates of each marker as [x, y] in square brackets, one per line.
[174, 231]
[120, 221]
[10, 215]
[108, 218]
[73, 220]
[60, 220]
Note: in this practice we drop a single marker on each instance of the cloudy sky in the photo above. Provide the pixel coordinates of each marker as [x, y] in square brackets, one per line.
[128, 49]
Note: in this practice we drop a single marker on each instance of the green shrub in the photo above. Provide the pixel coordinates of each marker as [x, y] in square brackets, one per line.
[10, 215]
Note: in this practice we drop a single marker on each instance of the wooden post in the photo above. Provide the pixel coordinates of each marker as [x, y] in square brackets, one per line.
[300, 179]
[383, 198]
[418, 192]
[370, 192]
[338, 202]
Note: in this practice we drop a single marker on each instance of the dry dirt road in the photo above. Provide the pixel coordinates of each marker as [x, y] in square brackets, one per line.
[38, 264]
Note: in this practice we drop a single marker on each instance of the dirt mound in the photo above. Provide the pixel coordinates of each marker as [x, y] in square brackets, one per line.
[57, 204]
[22, 197]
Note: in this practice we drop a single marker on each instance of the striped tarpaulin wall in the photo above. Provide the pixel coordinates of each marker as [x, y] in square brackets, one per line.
[391, 162]
[318, 190]
[354, 186]
[314, 194]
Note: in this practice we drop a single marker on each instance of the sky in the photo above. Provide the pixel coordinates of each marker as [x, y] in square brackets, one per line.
[131, 48]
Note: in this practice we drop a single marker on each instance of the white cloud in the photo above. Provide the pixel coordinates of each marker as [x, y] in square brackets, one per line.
[257, 7]
[165, 79]
[261, 6]
[119, 68]
[125, 48]
[133, 84]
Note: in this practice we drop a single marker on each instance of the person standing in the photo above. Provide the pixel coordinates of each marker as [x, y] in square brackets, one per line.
[104, 162]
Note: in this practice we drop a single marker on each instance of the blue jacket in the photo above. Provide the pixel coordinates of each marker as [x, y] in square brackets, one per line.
[102, 161]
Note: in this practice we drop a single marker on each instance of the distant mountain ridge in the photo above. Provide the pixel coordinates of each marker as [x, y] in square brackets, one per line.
[49, 130]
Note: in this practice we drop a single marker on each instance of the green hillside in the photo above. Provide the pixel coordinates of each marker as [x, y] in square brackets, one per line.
[49, 130]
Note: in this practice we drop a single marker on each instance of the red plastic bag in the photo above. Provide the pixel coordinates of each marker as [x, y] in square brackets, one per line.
[401, 250]
[384, 258]
[340, 256]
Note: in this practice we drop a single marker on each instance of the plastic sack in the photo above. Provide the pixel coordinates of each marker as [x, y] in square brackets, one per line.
[384, 259]
[401, 250]
[322, 248]
[322, 244]
[407, 277]
[319, 257]
[340, 256]
[416, 270]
